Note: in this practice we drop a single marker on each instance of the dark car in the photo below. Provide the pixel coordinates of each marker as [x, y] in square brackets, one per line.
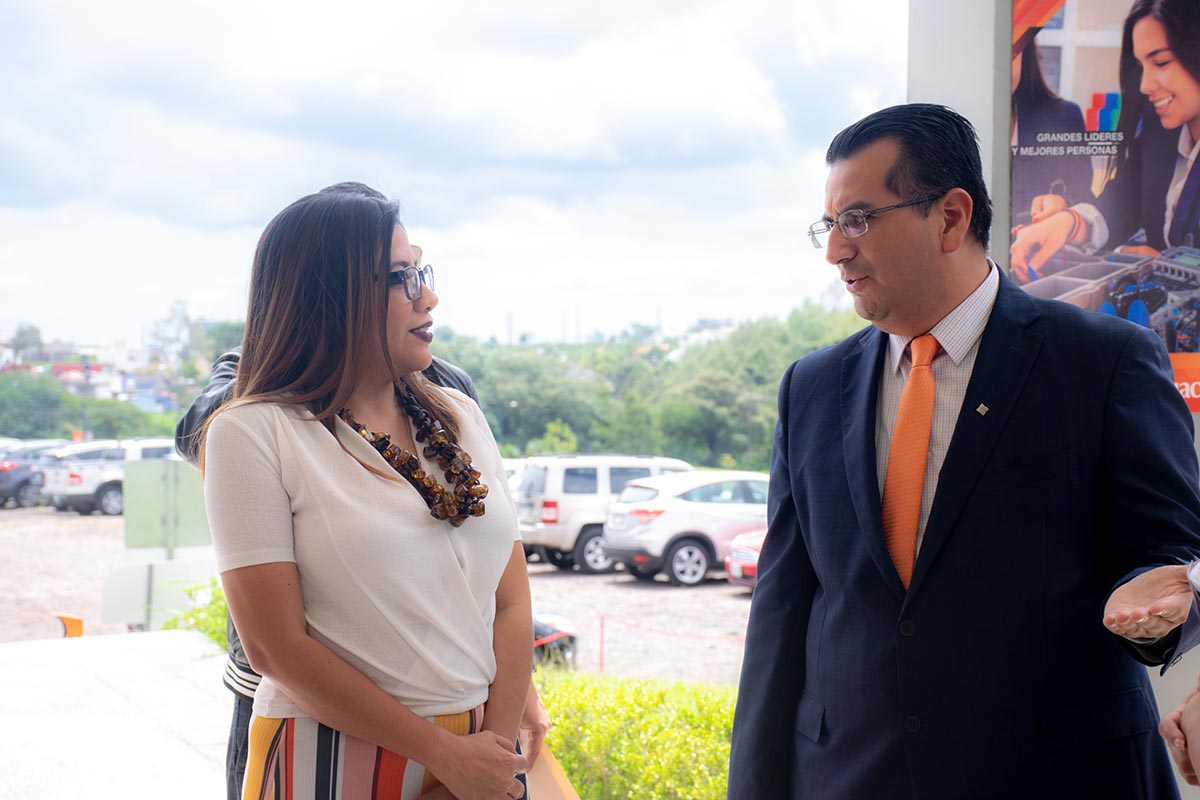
[16, 471]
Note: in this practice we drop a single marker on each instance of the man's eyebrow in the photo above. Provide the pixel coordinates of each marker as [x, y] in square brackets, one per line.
[857, 205]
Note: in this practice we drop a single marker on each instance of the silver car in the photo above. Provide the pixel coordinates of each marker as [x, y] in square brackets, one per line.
[682, 524]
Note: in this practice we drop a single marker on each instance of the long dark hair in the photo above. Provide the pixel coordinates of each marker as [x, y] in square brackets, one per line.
[1031, 86]
[1181, 21]
[318, 306]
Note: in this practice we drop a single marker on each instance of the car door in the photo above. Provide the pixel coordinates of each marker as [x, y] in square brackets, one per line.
[728, 508]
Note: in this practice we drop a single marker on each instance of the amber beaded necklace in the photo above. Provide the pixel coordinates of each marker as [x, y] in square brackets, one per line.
[455, 504]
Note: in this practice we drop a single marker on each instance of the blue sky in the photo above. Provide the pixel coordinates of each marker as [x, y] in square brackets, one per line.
[568, 167]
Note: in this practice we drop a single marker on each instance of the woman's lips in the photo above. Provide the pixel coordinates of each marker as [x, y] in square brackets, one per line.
[423, 333]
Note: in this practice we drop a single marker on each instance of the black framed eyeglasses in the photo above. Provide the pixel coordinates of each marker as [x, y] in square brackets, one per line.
[853, 222]
[412, 279]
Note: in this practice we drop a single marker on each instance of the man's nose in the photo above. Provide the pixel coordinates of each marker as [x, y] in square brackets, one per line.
[839, 248]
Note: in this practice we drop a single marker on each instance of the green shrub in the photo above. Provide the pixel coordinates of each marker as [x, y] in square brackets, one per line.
[622, 738]
[207, 613]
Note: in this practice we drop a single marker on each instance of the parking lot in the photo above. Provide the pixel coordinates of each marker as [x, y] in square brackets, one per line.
[58, 562]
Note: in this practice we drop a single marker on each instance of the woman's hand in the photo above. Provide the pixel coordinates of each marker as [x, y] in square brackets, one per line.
[1045, 205]
[1033, 245]
[535, 723]
[482, 766]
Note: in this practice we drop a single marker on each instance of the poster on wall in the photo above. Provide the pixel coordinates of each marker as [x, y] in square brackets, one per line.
[1105, 188]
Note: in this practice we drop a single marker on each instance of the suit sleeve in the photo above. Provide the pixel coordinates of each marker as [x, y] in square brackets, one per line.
[1150, 495]
[220, 386]
[773, 668]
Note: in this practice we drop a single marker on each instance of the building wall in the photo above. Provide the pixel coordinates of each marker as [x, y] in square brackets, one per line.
[959, 54]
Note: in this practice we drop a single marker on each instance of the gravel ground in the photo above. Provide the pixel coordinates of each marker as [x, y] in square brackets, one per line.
[55, 562]
[58, 562]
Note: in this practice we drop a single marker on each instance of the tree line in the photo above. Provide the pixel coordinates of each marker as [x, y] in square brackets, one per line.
[711, 403]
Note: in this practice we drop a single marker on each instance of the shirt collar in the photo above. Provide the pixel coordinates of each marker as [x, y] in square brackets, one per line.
[958, 331]
[1187, 147]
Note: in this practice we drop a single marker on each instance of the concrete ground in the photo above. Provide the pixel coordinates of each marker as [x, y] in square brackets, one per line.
[139, 715]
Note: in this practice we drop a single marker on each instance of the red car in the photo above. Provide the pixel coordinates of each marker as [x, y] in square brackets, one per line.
[741, 565]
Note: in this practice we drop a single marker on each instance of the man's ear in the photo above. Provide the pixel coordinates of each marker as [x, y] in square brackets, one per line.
[954, 213]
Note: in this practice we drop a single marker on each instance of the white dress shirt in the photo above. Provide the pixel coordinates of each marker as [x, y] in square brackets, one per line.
[958, 333]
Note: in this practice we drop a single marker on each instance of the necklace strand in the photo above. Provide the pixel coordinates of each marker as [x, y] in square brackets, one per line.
[456, 504]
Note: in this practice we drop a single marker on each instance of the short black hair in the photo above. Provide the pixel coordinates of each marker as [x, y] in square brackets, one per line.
[939, 151]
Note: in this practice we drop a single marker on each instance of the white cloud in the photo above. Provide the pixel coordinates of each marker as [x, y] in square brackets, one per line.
[566, 163]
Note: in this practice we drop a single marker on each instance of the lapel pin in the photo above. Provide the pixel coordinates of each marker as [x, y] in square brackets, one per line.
[981, 410]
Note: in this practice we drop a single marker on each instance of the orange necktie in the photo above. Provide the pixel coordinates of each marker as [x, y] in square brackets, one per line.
[906, 460]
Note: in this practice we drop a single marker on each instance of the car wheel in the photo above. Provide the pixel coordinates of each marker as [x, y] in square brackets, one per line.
[28, 496]
[589, 552]
[687, 563]
[558, 558]
[111, 500]
[640, 572]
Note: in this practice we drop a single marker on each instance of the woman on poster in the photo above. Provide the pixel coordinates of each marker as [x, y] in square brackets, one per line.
[1154, 185]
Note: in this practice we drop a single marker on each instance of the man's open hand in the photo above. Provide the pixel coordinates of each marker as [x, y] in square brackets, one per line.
[1151, 605]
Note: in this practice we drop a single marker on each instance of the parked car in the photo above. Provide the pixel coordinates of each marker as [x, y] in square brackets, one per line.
[513, 467]
[682, 525]
[88, 476]
[71, 453]
[16, 471]
[563, 500]
[741, 565]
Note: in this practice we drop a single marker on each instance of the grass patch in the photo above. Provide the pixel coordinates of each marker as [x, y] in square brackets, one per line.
[624, 738]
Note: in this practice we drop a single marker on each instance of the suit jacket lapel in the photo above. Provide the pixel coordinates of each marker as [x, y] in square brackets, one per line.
[860, 390]
[1007, 351]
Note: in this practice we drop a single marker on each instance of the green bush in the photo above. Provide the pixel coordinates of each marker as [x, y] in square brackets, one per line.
[207, 613]
[622, 738]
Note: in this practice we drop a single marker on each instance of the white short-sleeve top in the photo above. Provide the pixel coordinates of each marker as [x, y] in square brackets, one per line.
[406, 599]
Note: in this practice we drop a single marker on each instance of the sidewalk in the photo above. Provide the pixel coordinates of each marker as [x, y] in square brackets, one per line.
[127, 715]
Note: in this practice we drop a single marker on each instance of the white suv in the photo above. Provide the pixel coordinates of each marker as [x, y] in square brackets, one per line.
[91, 475]
[683, 525]
[563, 500]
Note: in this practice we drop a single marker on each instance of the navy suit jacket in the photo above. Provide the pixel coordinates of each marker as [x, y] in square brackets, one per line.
[1071, 469]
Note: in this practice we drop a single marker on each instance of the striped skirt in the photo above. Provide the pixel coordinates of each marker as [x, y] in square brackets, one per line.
[297, 758]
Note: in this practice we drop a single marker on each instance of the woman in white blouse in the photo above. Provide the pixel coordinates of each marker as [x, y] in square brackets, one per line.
[384, 602]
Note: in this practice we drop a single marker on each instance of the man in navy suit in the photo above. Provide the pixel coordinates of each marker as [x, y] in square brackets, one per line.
[1059, 498]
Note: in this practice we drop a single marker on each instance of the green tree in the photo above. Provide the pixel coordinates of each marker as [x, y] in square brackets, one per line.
[558, 438]
[220, 337]
[32, 406]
